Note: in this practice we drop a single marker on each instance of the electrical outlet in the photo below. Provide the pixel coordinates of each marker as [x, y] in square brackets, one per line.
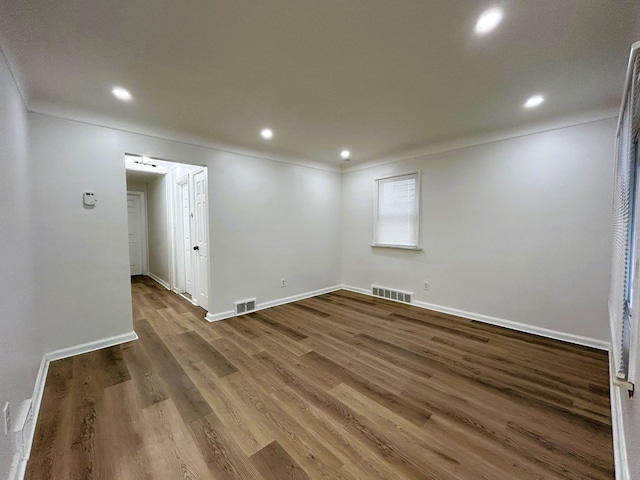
[283, 282]
[425, 285]
[7, 418]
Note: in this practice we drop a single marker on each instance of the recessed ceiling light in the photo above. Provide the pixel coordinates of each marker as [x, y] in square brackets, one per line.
[121, 94]
[489, 20]
[534, 101]
[345, 154]
[266, 133]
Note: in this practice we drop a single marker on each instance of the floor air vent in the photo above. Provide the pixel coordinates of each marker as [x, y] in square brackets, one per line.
[245, 306]
[397, 295]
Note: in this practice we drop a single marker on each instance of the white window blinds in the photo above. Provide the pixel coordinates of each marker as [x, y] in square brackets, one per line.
[623, 296]
[397, 219]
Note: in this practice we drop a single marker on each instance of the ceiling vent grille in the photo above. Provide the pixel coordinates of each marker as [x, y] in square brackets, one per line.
[390, 294]
[245, 306]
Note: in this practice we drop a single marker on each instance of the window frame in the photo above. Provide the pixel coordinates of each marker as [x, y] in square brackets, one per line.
[376, 207]
[624, 294]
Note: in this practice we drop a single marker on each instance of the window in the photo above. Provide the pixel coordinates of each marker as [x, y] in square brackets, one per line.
[397, 211]
[624, 297]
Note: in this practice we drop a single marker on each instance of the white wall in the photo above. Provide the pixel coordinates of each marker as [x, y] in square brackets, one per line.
[133, 186]
[82, 258]
[267, 220]
[518, 229]
[157, 227]
[20, 345]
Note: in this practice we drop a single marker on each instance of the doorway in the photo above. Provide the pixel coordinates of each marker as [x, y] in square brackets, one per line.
[176, 197]
[137, 220]
[190, 234]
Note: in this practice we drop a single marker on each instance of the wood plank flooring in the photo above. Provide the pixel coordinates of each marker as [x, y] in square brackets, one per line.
[340, 386]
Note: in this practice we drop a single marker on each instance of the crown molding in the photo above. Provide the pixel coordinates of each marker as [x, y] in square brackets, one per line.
[494, 137]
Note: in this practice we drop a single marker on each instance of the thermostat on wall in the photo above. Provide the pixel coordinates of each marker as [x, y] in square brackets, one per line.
[89, 199]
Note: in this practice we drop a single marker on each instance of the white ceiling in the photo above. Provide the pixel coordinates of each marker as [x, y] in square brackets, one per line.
[380, 77]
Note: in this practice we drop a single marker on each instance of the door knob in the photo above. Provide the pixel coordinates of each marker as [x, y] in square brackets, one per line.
[196, 248]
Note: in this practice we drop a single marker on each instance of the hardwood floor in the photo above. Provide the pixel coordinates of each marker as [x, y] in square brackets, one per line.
[340, 386]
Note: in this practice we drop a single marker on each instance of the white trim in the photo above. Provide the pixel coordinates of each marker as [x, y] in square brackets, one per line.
[214, 317]
[617, 426]
[19, 466]
[183, 138]
[415, 248]
[183, 295]
[627, 82]
[520, 327]
[376, 209]
[18, 470]
[171, 247]
[38, 392]
[394, 175]
[363, 291]
[159, 280]
[295, 298]
[177, 231]
[501, 322]
[91, 346]
[495, 137]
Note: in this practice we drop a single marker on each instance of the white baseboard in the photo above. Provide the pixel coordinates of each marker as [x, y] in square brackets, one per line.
[501, 322]
[191, 300]
[91, 346]
[214, 317]
[159, 280]
[20, 464]
[295, 298]
[38, 392]
[521, 327]
[351, 288]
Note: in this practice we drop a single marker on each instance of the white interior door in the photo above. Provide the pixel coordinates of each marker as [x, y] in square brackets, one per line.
[185, 218]
[136, 238]
[201, 244]
[179, 280]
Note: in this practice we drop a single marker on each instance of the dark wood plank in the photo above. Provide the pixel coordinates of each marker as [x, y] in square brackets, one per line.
[267, 319]
[341, 386]
[274, 462]
[208, 354]
[376, 392]
[176, 382]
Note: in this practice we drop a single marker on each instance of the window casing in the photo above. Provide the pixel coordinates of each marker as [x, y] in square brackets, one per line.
[397, 211]
[624, 296]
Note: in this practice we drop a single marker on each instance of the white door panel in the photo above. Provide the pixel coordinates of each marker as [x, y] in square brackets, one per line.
[201, 238]
[186, 232]
[134, 210]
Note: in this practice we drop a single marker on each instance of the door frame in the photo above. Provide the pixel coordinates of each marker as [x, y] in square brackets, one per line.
[174, 216]
[192, 174]
[177, 243]
[143, 227]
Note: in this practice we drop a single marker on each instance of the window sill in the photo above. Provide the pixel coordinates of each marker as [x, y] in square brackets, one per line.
[397, 247]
